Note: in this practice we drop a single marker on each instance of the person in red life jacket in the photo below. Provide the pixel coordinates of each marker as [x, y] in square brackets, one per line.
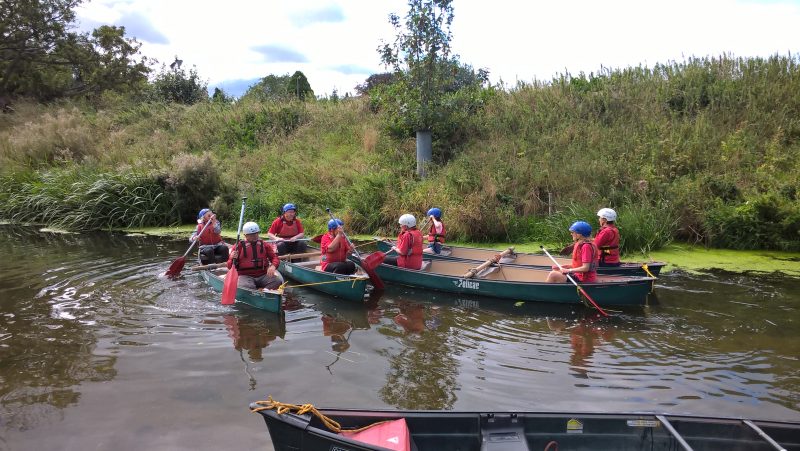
[286, 229]
[335, 247]
[607, 239]
[436, 231]
[212, 248]
[255, 260]
[409, 245]
[584, 257]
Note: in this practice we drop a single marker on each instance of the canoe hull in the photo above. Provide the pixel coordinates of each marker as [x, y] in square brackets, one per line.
[342, 286]
[467, 431]
[263, 300]
[626, 291]
[535, 261]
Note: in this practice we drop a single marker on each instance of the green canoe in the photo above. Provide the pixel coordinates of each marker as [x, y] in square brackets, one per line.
[516, 283]
[269, 300]
[538, 261]
[349, 287]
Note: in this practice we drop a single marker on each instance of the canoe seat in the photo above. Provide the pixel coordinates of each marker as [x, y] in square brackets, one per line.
[318, 267]
[486, 271]
[426, 264]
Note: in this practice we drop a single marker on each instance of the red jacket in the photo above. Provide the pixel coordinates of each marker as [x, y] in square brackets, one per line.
[409, 244]
[254, 258]
[436, 237]
[328, 256]
[585, 252]
[208, 236]
[285, 229]
[607, 240]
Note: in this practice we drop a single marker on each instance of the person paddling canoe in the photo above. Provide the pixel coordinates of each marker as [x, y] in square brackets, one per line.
[607, 239]
[255, 261]
[584, 257]
[287, 228]
[335, 247]
[409, 245]
[212, 248]
[436, 232]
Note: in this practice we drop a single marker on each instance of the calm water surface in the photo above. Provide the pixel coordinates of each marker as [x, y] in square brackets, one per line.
[98, 351]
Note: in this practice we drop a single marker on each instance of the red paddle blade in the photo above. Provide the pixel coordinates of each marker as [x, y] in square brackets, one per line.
[176, 267]
[375, 279]
[229, 288]
[317, 239]
[373, 260]
[369, 263]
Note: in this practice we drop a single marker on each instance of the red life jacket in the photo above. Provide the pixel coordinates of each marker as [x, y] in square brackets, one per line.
[254, 258]
[436, 237]
[412, 257]
[329, 256]
[609, 253]
[208, 236]
[287, 229]
[591, 274]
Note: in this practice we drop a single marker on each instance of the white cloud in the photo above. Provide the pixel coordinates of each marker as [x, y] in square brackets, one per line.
[514, 40]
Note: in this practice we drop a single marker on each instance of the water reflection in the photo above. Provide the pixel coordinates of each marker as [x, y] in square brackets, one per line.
[585, 334]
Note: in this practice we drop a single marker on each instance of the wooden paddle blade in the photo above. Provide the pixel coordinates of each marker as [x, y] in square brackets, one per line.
[567, 250]
[229, 288]
[176, 267]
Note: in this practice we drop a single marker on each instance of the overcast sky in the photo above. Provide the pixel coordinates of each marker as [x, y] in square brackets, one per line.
[233, 43]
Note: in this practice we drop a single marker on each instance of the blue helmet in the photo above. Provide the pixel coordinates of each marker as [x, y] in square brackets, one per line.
[435, 212]
[202, 213]
[288, 207]
[334, 223]
[581, 228]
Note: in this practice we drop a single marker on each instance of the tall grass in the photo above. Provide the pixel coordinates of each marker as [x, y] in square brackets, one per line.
[682, 150]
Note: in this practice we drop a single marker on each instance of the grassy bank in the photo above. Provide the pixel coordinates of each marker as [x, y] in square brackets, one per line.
[705, 151]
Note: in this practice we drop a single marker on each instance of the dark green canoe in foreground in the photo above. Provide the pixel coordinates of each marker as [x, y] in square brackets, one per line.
[269, 300]
[523, 431]
[536, 261]
[516, 283]
[349, 287]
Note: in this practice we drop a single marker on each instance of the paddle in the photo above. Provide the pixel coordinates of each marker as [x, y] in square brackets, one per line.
[232, 279]
[472, 272]
[177, 266]
[580, 289]
[370, 263]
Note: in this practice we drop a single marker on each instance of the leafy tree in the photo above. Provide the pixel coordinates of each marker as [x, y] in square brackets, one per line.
[299, 87]
[219, 96]
[374, 81]
[176, 85]
[41, 57]
[271, 87]
[421, 45]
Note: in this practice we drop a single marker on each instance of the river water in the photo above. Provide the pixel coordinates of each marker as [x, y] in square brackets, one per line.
[99, 351]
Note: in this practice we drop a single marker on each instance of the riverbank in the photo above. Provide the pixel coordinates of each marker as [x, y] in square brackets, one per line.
[681, 257]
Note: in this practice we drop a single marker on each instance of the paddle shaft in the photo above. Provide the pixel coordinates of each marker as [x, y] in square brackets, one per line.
[197, 239]
[583, 292]
[472, 272]
[232, 278]
[239, 229]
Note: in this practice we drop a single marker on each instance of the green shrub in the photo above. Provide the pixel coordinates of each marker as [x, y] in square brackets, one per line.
[193, 181]
[763, 222]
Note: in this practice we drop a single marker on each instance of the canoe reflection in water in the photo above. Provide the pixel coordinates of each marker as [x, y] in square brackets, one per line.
[339, 324]
[584, 335]
[253, 333]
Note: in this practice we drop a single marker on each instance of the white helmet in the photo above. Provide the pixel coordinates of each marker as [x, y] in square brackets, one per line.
[250, 227]
[607, 213]
[407, 220]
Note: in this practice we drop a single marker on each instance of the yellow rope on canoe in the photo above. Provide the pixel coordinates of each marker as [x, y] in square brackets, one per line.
[353, 280]
[646, 270]
[302, 409]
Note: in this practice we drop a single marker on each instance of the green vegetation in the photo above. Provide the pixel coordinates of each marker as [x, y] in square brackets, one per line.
[705, 151]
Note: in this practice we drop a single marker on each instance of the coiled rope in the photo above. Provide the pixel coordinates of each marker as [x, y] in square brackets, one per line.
[302, 409]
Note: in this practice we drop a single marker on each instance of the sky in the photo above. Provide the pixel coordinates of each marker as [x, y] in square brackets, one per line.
[234, 43]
